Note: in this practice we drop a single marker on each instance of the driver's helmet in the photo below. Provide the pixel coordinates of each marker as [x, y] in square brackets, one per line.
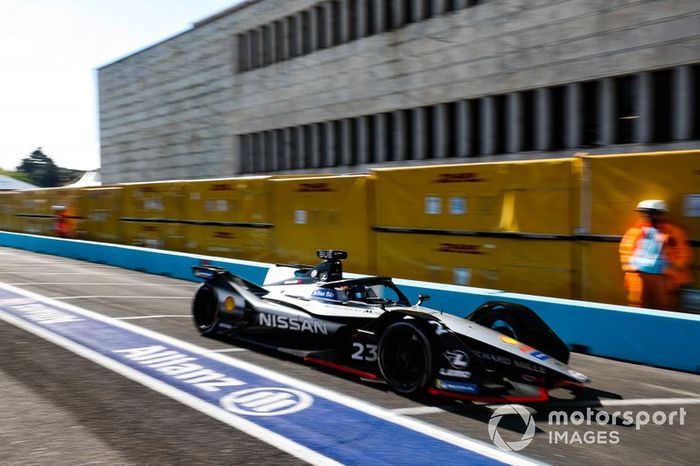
[356, 293]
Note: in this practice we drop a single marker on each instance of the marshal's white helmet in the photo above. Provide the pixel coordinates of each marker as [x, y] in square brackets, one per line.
[653, 205]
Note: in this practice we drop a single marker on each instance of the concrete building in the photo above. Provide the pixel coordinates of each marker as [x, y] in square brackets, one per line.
[342, 85]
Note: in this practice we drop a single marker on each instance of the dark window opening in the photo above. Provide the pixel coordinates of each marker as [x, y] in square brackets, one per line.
[451, 129]
[661, 109]
[388, 14]
[500, 119]
[475, 123]
[336, 21]
[408, 13]
[308, 146]
[558, 116]
[338, 143]
[292, 36]
[372, 139]
[267, 45]
[254, 49]
[427, 9]
[280, 40]
[306, 32]
[242, 52]
[626, 112]
[429, 120]
[528, 120]
[369, 18]
[389, 128]
[408, 145]
[354, 26]
[589, 113]
[354, 142]
[322, 33]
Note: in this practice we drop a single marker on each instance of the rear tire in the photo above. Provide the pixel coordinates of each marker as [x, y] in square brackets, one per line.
[205, 312]
[405, 358]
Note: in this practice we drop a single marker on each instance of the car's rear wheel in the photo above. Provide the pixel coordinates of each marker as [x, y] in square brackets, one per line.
[405, 358]
[205, 311]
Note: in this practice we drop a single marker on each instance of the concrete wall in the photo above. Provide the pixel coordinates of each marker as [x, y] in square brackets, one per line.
[174, 110]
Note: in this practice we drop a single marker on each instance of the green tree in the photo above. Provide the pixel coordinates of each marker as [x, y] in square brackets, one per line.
[40, 169]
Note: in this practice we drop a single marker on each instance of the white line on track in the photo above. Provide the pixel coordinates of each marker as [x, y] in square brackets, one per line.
[237, 422]
[162, 316]
[672, 390]
[189, 285]
[229, 350]
[186, 399]
[73, 273]
[612, 403]
[418, 410]
[120, 297]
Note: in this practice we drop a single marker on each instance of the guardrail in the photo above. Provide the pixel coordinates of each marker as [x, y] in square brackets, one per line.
[644, 336]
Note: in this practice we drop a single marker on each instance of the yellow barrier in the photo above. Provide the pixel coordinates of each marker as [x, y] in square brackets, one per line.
[322, 213]
[9, 204]
[529, 197]
[152, 214]
[516, 265]
[611, 188]
[34, 212]
[618, 182]
[229, 217]
[102, 210]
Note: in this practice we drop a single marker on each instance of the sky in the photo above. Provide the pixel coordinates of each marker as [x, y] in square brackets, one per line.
[49, 53]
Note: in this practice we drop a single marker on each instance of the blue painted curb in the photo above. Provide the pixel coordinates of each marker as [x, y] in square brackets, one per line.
[645, 336]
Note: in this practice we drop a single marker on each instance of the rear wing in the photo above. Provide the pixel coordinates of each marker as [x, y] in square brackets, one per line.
[207, 272]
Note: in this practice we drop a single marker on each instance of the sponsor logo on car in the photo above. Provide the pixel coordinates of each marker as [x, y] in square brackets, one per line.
[455, 373]
[457, 359]
[295, 324]
[525, 348]
[457, 386]
[509, 362]
[325, 293]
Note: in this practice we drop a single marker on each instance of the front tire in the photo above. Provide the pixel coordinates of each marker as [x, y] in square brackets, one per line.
[405, 358]
[205, 312]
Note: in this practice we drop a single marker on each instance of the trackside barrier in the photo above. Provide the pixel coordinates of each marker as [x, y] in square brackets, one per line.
[658, 338]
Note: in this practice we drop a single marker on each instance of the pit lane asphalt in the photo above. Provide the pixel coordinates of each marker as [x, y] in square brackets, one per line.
[57, 408]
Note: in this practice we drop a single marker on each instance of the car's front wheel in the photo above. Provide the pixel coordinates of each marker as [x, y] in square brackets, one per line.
[405, 358]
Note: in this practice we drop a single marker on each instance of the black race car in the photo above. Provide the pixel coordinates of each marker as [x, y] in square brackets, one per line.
[501, 352]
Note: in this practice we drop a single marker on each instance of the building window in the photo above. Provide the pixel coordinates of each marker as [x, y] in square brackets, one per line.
[475, 123]
[266, 45]
[589, 113]
[500, 121]
[306, 32]
[254, 49]
[626, 111]
[242, 52]
[528, 120]
[558, 116]
[321, 30]
[280, 41]
[336, 23]
[661, 108]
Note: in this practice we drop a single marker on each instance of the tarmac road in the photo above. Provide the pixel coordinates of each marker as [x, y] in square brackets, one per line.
[57, 408]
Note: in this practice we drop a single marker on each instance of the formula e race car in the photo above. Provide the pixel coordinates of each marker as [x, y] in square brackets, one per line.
[501, 352]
